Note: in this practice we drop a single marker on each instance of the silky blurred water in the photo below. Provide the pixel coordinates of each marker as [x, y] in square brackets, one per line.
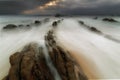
[97, 55]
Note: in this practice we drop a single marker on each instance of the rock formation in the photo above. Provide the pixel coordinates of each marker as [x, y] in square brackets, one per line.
[67, 68]
[55, 23]
[81, 22]
[109, 20]
[31, 62]
[37, 22]
[10, 26]
[95, 30]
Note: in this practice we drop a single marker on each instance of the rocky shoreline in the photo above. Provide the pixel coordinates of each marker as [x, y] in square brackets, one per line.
[31, 63]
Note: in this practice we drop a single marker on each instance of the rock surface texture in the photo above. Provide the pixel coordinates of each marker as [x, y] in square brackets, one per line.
[31, 62]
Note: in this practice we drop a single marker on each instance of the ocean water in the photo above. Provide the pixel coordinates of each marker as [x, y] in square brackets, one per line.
[98, 56]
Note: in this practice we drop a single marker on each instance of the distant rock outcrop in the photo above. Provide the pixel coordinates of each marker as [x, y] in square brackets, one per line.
[58, 15]
[21, 25]
[109, 20]
[55, 23]
[37, 22]
[10, 26]
[95, 29]
[81, 22]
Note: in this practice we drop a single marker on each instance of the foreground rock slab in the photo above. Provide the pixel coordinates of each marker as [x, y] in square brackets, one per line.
[64, 63]
[31, 63]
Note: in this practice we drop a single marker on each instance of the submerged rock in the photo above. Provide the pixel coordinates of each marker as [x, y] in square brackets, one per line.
[20, 25]
[10, 26]
[109, 20]
[81, 22]
[28, 25]
[55, 23]
[37, 22]
[58, 15]
[95, 30]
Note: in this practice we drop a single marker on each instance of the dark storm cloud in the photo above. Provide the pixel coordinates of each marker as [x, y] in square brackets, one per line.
[100, 10]
[72, 7]
[17, 6]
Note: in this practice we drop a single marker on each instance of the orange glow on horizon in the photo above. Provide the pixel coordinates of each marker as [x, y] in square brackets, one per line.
[47, 5]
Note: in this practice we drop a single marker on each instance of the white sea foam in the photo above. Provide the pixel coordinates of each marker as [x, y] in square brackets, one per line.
[98, 56]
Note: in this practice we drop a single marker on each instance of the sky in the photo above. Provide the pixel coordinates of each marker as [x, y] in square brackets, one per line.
[65, 7]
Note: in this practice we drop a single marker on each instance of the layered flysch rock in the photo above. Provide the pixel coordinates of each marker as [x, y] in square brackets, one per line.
[65, 65]
[31, 63]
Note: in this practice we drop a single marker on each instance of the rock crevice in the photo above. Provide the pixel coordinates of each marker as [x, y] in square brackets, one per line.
[31, 64]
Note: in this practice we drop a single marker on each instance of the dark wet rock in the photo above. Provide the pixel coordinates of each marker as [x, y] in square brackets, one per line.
[55, 23]
[10, 26]
[20, 25]
[28, 25]
[58, 15]
[81, 22]
[29, 64]
[109, 20]
[94, 29]
[64, 63]
[37, 22]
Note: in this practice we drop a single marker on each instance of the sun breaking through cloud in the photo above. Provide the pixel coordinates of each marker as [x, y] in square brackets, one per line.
[42, 7]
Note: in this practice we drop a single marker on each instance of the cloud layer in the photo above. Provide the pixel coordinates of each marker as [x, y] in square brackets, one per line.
[50, 7]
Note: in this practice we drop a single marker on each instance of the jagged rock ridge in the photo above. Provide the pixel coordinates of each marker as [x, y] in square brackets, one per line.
[30, 63]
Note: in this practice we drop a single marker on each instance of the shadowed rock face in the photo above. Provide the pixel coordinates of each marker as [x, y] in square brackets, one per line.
[81, 22]
[37, 22]
[93, 29]
[10, 26]
[31, 64]
[109, 20]
[54, 23]
[66, 66]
